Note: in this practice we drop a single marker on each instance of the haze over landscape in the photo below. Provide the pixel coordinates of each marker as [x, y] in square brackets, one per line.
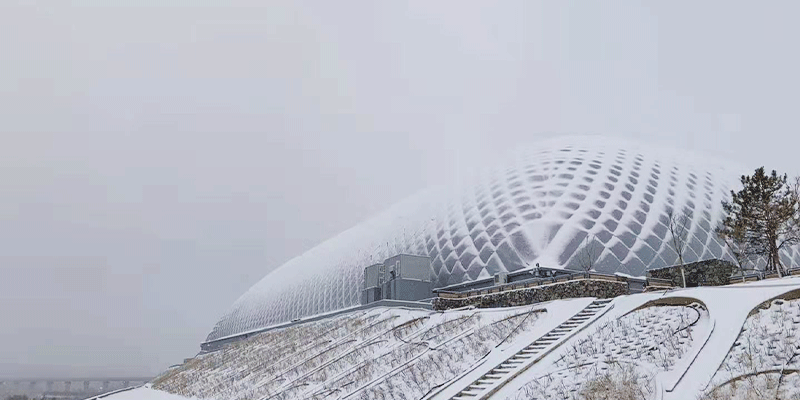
[159, 159]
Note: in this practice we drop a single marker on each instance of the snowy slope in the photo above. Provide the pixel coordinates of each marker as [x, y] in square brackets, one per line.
[683, 365]
[542, 204]
[718, 342]
[360, 355]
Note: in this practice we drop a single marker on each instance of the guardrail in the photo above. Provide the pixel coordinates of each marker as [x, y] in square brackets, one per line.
[446, 294]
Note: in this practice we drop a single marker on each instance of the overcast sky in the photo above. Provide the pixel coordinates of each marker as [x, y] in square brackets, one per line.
[156, 161]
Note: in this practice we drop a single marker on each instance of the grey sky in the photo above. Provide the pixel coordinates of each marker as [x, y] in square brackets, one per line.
[157, 160]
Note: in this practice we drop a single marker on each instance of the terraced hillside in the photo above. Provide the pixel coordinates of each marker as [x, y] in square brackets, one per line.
[364, 355]
[765, 359]
[736, 342]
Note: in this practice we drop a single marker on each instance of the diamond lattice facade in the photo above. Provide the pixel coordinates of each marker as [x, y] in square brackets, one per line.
[558, 203]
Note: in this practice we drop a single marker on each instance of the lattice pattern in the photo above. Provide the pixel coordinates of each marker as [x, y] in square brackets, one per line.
[538, 207]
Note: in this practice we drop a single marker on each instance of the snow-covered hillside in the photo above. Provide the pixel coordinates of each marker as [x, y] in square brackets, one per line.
[739, 341]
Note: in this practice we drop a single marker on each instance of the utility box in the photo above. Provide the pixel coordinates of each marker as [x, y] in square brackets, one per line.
[401, 277]
[373, 282]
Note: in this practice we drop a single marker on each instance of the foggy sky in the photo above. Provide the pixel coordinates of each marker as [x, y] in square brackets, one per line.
[157, 160]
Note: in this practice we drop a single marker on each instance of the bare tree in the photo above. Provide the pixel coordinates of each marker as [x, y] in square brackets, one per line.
[589, 253]
[738, 249]
[679, 225]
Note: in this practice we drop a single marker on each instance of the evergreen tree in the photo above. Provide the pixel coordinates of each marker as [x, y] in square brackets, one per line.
[764, 216]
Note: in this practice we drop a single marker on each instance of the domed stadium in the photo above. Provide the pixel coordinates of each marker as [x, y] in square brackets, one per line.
[541, 205]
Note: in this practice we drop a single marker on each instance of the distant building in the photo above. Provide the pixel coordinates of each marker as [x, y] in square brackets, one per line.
[402, 277]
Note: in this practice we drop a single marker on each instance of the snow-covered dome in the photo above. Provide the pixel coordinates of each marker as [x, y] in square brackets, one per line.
[538, 206]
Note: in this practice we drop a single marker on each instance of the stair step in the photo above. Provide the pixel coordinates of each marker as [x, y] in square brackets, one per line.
[486, 381]
[545, 337]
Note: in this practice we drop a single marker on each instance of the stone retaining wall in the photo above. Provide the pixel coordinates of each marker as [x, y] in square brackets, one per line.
[702, 273]
[567, 290]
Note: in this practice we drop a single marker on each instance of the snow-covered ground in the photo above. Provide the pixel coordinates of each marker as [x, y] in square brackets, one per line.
[715, 342]
[768, 347]
[644, 343]
[384, 353]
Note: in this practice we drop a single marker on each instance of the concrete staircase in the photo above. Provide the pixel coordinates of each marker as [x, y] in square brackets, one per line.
[488, 384]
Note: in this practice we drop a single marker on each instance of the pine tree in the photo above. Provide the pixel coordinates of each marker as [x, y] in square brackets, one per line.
[764, 216]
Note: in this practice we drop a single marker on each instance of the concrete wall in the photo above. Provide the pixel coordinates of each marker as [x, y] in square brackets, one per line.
[571, 289]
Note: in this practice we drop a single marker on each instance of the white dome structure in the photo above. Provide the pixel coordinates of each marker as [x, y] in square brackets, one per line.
[542, 205]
